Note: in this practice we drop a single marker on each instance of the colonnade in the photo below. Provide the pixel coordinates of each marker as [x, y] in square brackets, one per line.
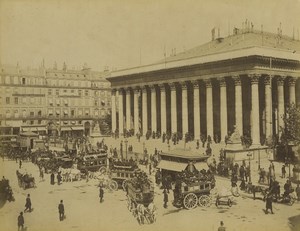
[164, 105]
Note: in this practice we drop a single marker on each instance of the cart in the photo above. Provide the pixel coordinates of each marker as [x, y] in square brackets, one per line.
[140, 196]
[193, 194]
[25, 180]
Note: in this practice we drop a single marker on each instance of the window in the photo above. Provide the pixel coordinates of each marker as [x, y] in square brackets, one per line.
[86, 93]
[31, 122]
[16, 100]
[79, 92]
[39, 122]
[49, 91]
[79, 122]
[72, 112]
[72, 91]
[57, 91]
[39, 113]
[31, 113]
[23, 81]
[7, 100]
[96, 102]
[65, 90]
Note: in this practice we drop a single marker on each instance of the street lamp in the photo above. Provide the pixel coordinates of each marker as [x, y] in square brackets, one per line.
[289, 161]
[126, 142]
[249, 154]
[121, 149]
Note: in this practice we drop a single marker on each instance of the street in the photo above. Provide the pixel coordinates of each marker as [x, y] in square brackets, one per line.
[84, 211]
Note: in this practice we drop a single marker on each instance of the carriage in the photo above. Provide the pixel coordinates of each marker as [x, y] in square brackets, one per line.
[93, 162]
[140, 196]
[122, 172]
[25, 180]
[191, 194]
[6, 191]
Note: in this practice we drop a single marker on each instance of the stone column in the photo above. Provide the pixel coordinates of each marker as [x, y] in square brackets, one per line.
[153, 109]
[268, 106]
[144, 111]
[280, 89]
[121, 114]
[255, 131]
[185, 119]
[238, 104]
[223, 109]
[292, 92]
[113, 110]
[173, 108]
[136, 109]
[196, 110]
[128, 109]
[163, 110]
[209, 109]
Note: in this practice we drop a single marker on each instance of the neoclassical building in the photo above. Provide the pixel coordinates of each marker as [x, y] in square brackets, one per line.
[245, 80]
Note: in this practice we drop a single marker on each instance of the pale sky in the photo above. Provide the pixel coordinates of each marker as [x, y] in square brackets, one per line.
[126, 33]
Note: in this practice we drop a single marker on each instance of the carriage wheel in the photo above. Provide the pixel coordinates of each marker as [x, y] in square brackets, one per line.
[113, 185]
[205, 201]
[124, 184]
[190, 201]
[102, 170]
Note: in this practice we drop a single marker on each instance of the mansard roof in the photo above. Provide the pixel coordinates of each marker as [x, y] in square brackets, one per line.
[238, 41]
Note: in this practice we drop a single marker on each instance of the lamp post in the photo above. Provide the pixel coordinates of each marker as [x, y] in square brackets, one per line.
[126, 142]
[249, 154]
[289, 161]
[121, 149]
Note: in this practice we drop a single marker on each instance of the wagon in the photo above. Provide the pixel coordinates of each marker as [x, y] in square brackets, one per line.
[191, 195]
[122, 172]
[140, 196]
[93, 162]
[25, 180]
[6, 191]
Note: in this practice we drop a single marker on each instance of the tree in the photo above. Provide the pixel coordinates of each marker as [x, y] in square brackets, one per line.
[290, 132]
[291, 129]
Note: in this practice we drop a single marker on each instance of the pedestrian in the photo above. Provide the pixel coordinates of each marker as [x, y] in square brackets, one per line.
[20, 221]
[283, 171]
[221, 228]
[20, 163]
[101, 194]
[61, 211]
[42, 174]
[150, 168]
[269, 201]
[166, 199]
[52, 178]
[58, 178]
[28, 204]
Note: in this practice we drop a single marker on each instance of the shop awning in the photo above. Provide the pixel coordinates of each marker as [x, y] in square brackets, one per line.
[201, 165]
[172, 166]
[77, 128]
[65, 129]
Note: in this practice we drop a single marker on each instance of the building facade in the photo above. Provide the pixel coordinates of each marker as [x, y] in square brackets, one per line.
[51, 101]
[243, 81]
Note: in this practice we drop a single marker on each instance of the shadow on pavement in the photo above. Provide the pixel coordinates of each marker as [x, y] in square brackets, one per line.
[2, 203]
[294, 223]
[171, 212]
